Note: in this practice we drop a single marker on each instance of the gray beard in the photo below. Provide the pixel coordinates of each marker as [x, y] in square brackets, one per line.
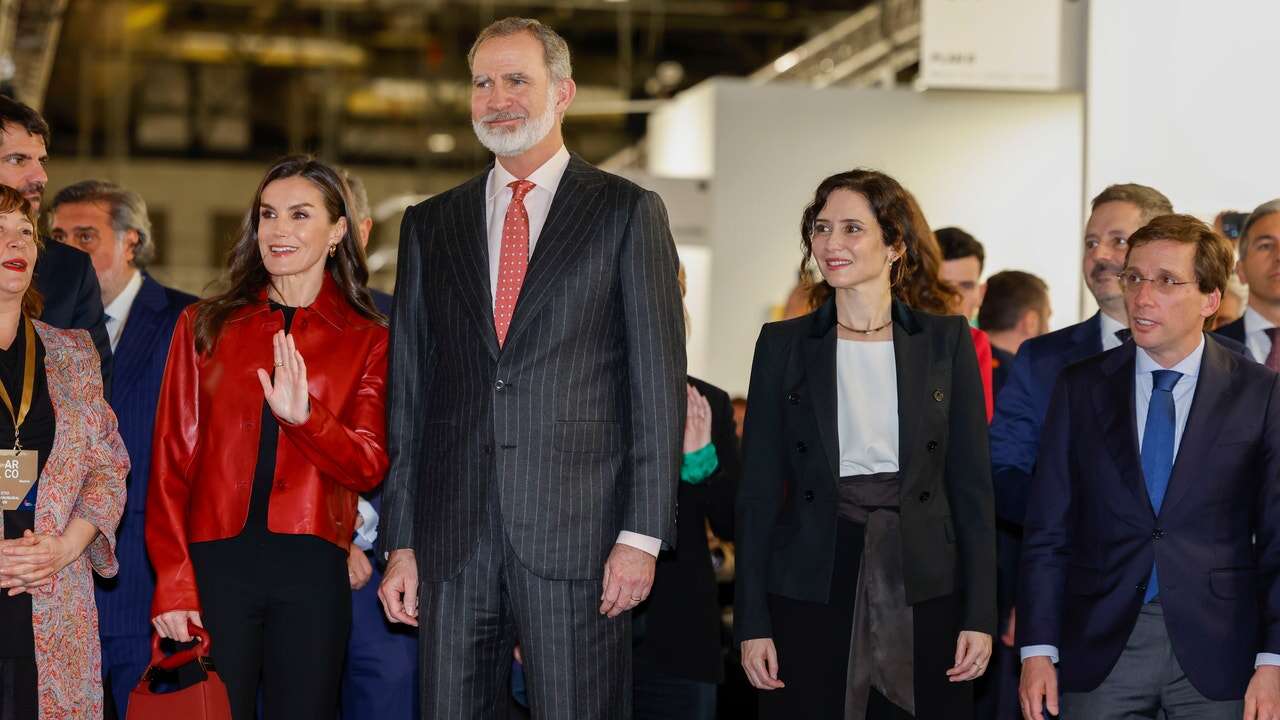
[510, 143]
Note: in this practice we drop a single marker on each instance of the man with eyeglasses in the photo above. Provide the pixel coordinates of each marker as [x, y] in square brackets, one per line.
[1148, 572]
[1259, 268]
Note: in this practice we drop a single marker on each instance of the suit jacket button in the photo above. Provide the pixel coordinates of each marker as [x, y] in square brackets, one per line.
[933, 445]
[1142, 587]
[808, 496]
[793, 398]
[801, 447]
[924, 496]
[937, 395]
[499, 385]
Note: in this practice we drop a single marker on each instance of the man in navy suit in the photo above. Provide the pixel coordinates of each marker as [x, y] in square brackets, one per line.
[380, 679]
[1116, 213]
[110, 223]
[63, 276]
[1151, 551]
[1259, 268]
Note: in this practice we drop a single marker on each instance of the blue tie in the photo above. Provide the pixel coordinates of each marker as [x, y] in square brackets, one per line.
[1157, 449]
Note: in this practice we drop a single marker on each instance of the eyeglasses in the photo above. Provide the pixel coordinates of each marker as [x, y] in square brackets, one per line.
[1130, 281]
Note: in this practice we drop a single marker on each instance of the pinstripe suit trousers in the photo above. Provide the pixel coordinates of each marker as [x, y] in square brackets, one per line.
[577, 661]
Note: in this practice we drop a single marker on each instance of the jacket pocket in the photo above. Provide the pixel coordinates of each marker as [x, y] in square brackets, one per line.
[587, 437]
[1231, 583]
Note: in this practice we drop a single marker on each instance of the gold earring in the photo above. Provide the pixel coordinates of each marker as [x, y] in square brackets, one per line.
[333, 249]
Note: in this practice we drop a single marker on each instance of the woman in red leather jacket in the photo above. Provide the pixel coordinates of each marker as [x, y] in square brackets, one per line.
[270, 422]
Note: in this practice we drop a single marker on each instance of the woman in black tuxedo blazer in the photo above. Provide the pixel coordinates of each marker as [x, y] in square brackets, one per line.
[866, 483]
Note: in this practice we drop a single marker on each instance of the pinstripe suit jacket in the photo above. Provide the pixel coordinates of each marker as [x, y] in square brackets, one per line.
[576, 422]
[124, 601]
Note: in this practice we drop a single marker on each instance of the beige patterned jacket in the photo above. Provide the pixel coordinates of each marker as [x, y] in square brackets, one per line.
[83, 478]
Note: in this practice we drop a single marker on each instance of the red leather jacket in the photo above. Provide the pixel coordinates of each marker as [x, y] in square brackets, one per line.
[209, 418]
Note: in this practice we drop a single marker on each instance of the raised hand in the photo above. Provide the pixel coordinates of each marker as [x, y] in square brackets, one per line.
[287, 393]
[697, 424]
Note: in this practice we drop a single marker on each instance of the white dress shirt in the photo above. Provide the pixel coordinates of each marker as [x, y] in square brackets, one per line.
[367, 534]
[118, 311]
[538, 204]
[1255, 334]
[1183, 393]
[866, 407]
[1110, 326]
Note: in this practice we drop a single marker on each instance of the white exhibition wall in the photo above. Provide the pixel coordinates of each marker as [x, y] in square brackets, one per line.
[1181, 96]
[1004, 166]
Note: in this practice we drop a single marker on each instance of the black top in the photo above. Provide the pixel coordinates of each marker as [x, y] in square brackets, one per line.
[265, 470]
[16, 639]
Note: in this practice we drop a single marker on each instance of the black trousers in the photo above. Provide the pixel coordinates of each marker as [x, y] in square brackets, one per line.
[278, 609]
[812, 640]
[19, 698]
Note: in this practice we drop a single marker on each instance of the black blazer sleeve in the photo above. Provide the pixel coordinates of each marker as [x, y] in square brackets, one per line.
[761, 493]
[407, 366]
[968, 474]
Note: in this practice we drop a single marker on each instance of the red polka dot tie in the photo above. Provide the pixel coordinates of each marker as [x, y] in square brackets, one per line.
[513, 260]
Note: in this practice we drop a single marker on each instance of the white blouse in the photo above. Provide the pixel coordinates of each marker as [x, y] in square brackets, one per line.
[867, 407]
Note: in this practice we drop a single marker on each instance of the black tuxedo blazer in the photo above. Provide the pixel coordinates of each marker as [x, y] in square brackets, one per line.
[574, 427]
[787, 506]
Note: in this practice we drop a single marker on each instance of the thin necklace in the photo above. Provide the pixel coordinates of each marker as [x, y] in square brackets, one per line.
[871, 331]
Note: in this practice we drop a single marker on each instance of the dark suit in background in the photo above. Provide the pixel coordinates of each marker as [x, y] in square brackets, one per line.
[677, 630]
[124, 602]
[380, 677]
[72, 299]
[514, 469]
[788, 523]
[1021, 407]
[1092, 537]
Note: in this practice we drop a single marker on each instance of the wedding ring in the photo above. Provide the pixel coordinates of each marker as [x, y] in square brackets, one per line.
[279, 364]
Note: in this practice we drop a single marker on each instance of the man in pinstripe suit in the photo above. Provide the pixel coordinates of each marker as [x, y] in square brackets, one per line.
[537, 377]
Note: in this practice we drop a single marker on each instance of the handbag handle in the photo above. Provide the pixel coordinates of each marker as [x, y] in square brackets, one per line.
[182, 657]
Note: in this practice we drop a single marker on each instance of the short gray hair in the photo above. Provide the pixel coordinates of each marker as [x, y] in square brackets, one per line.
[359, 202]
[127, 209]
[1150, 201]
[1270, 207]
[555, 51]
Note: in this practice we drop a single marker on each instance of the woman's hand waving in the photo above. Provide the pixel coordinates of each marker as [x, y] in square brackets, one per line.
[286, 393]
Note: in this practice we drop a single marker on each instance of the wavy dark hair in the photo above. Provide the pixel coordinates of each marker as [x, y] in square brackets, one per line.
[914, 277]
[12, 201]
[247, 276]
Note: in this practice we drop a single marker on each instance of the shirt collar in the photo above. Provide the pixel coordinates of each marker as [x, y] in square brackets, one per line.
[1254, 322]
[119, 308]
[546, 177]
[1110, 326]
[1189, 366]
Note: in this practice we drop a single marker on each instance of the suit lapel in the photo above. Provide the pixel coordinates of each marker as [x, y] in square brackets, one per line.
[911, 363]
[138, 340]
[1086, 340]
[467, 215]
[819, 350]
[1210, 403]
[1113, 404]
[578, 202]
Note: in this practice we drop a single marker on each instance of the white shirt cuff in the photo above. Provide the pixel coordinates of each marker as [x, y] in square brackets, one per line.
[1266, 659]
[651, 545]
[1031, 651]
[367, 533]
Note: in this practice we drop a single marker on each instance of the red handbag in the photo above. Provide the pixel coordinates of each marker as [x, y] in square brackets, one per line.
[203, 699]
